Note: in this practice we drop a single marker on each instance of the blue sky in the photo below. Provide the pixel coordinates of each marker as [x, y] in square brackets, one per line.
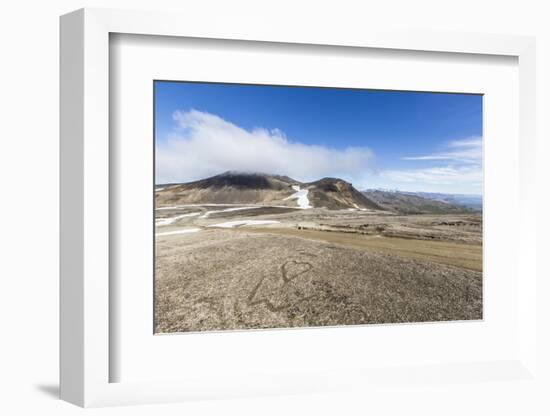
[400, 140]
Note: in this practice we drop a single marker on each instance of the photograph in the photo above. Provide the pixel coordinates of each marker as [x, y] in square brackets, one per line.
[300, 206]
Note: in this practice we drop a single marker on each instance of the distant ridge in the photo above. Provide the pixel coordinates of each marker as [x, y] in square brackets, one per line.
[471, 201]
[415, 203]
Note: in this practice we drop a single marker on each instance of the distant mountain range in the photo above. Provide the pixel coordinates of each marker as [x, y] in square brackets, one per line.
[474, 202]
[331, 193]
[424, 202]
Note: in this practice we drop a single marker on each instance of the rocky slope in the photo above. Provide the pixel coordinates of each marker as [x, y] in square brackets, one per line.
[408, 203]
[334, 193]
[265, 189]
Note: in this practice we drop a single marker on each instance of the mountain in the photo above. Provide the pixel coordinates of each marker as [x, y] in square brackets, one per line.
[228, 188]
[259, 188]
[411, 203]
[334, 193]
[474, 202]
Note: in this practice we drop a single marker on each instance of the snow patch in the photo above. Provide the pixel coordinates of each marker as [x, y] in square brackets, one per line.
[222, 205]
[172, 207]
[301, 196]
[207, 213]
[202, 205]
[171, 220]
[232, 224]
[185, 231]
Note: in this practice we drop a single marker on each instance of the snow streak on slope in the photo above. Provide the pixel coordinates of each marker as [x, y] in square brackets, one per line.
[231, 224]
[301, 196]
[171, 220]
[207, 213]
[184, 231]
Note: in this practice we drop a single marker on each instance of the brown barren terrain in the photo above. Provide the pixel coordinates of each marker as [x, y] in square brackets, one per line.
[228, 267]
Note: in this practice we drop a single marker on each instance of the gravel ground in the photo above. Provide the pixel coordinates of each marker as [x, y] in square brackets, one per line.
[219, 279]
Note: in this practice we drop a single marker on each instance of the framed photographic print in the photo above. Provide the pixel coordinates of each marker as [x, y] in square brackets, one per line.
[356, 222]
[270, 213]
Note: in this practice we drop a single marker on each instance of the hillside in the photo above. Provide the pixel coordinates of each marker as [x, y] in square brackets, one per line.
[264, 189]
[333, 193]
[474, 202]
[409, 203]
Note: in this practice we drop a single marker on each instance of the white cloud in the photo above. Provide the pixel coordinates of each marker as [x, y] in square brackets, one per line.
[205, 144]
[466, 179]
[446, 175]
[465, 151]
[456, 169]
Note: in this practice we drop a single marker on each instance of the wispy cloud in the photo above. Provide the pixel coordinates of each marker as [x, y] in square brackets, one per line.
[444, 175]
[457, 168]
[463, 151]
[205, 144]
[453, 179]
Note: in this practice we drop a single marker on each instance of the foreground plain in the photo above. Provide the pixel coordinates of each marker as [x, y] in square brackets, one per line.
[242, 267]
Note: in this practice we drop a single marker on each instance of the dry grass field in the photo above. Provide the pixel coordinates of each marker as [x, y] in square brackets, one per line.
[229, 267]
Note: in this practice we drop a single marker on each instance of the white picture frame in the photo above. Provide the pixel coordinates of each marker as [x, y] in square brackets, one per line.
[85, 205]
